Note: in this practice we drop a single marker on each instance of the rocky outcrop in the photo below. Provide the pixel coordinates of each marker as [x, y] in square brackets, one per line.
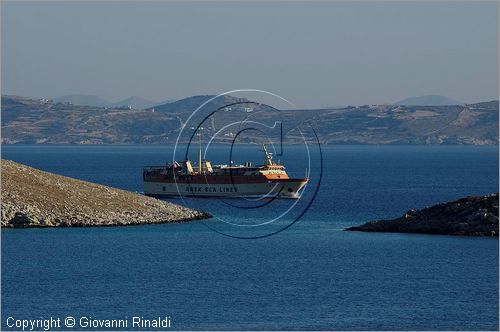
[467, 216]
[33, 198]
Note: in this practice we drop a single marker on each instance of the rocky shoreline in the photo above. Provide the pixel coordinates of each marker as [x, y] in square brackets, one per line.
[472, 215]
[34, 198]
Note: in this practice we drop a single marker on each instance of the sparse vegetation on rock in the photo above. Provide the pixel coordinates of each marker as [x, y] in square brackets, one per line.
[473, 215]
[34, 198]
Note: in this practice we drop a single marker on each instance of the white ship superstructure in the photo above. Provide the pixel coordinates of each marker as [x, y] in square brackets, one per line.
[269, 179]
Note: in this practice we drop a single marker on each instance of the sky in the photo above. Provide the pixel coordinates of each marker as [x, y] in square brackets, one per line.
[313, 54]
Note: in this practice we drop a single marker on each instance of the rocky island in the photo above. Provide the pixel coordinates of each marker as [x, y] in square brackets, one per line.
[473, 215]
[34, 198]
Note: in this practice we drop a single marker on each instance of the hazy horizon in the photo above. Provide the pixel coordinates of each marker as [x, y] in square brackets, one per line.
[314, 54]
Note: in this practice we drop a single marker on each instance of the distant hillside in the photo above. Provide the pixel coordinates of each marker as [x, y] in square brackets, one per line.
[96, 101]
[135, 102]
[83, 100]
[429, 100]
[32, 121]
[192, 103]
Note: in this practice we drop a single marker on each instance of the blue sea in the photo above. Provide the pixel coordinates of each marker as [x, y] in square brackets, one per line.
[266, 265]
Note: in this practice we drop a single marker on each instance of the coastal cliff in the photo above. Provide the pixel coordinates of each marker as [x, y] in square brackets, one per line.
[34, 198]
[473, 215]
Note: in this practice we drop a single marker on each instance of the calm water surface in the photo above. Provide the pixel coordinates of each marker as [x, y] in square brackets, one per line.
[313, 275]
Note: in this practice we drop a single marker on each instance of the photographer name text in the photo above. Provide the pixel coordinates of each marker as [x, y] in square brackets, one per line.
[85, 322]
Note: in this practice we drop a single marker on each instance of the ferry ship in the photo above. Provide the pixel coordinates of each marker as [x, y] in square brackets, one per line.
[184, 179]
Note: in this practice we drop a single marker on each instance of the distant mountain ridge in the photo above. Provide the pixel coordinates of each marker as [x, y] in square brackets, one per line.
[96, 101]
[173, 105]
[83, 100]
[429, 100]
[41, 121]
[135, 102]
[190, 104]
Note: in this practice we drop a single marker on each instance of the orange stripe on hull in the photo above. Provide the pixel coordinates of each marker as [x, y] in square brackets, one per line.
[216, 179]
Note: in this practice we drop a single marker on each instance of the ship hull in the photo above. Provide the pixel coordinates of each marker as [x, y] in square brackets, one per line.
[289, 188]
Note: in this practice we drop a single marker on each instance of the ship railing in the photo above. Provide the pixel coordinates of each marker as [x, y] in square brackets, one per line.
[165, 169]
[161, 170]
[153, 169]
